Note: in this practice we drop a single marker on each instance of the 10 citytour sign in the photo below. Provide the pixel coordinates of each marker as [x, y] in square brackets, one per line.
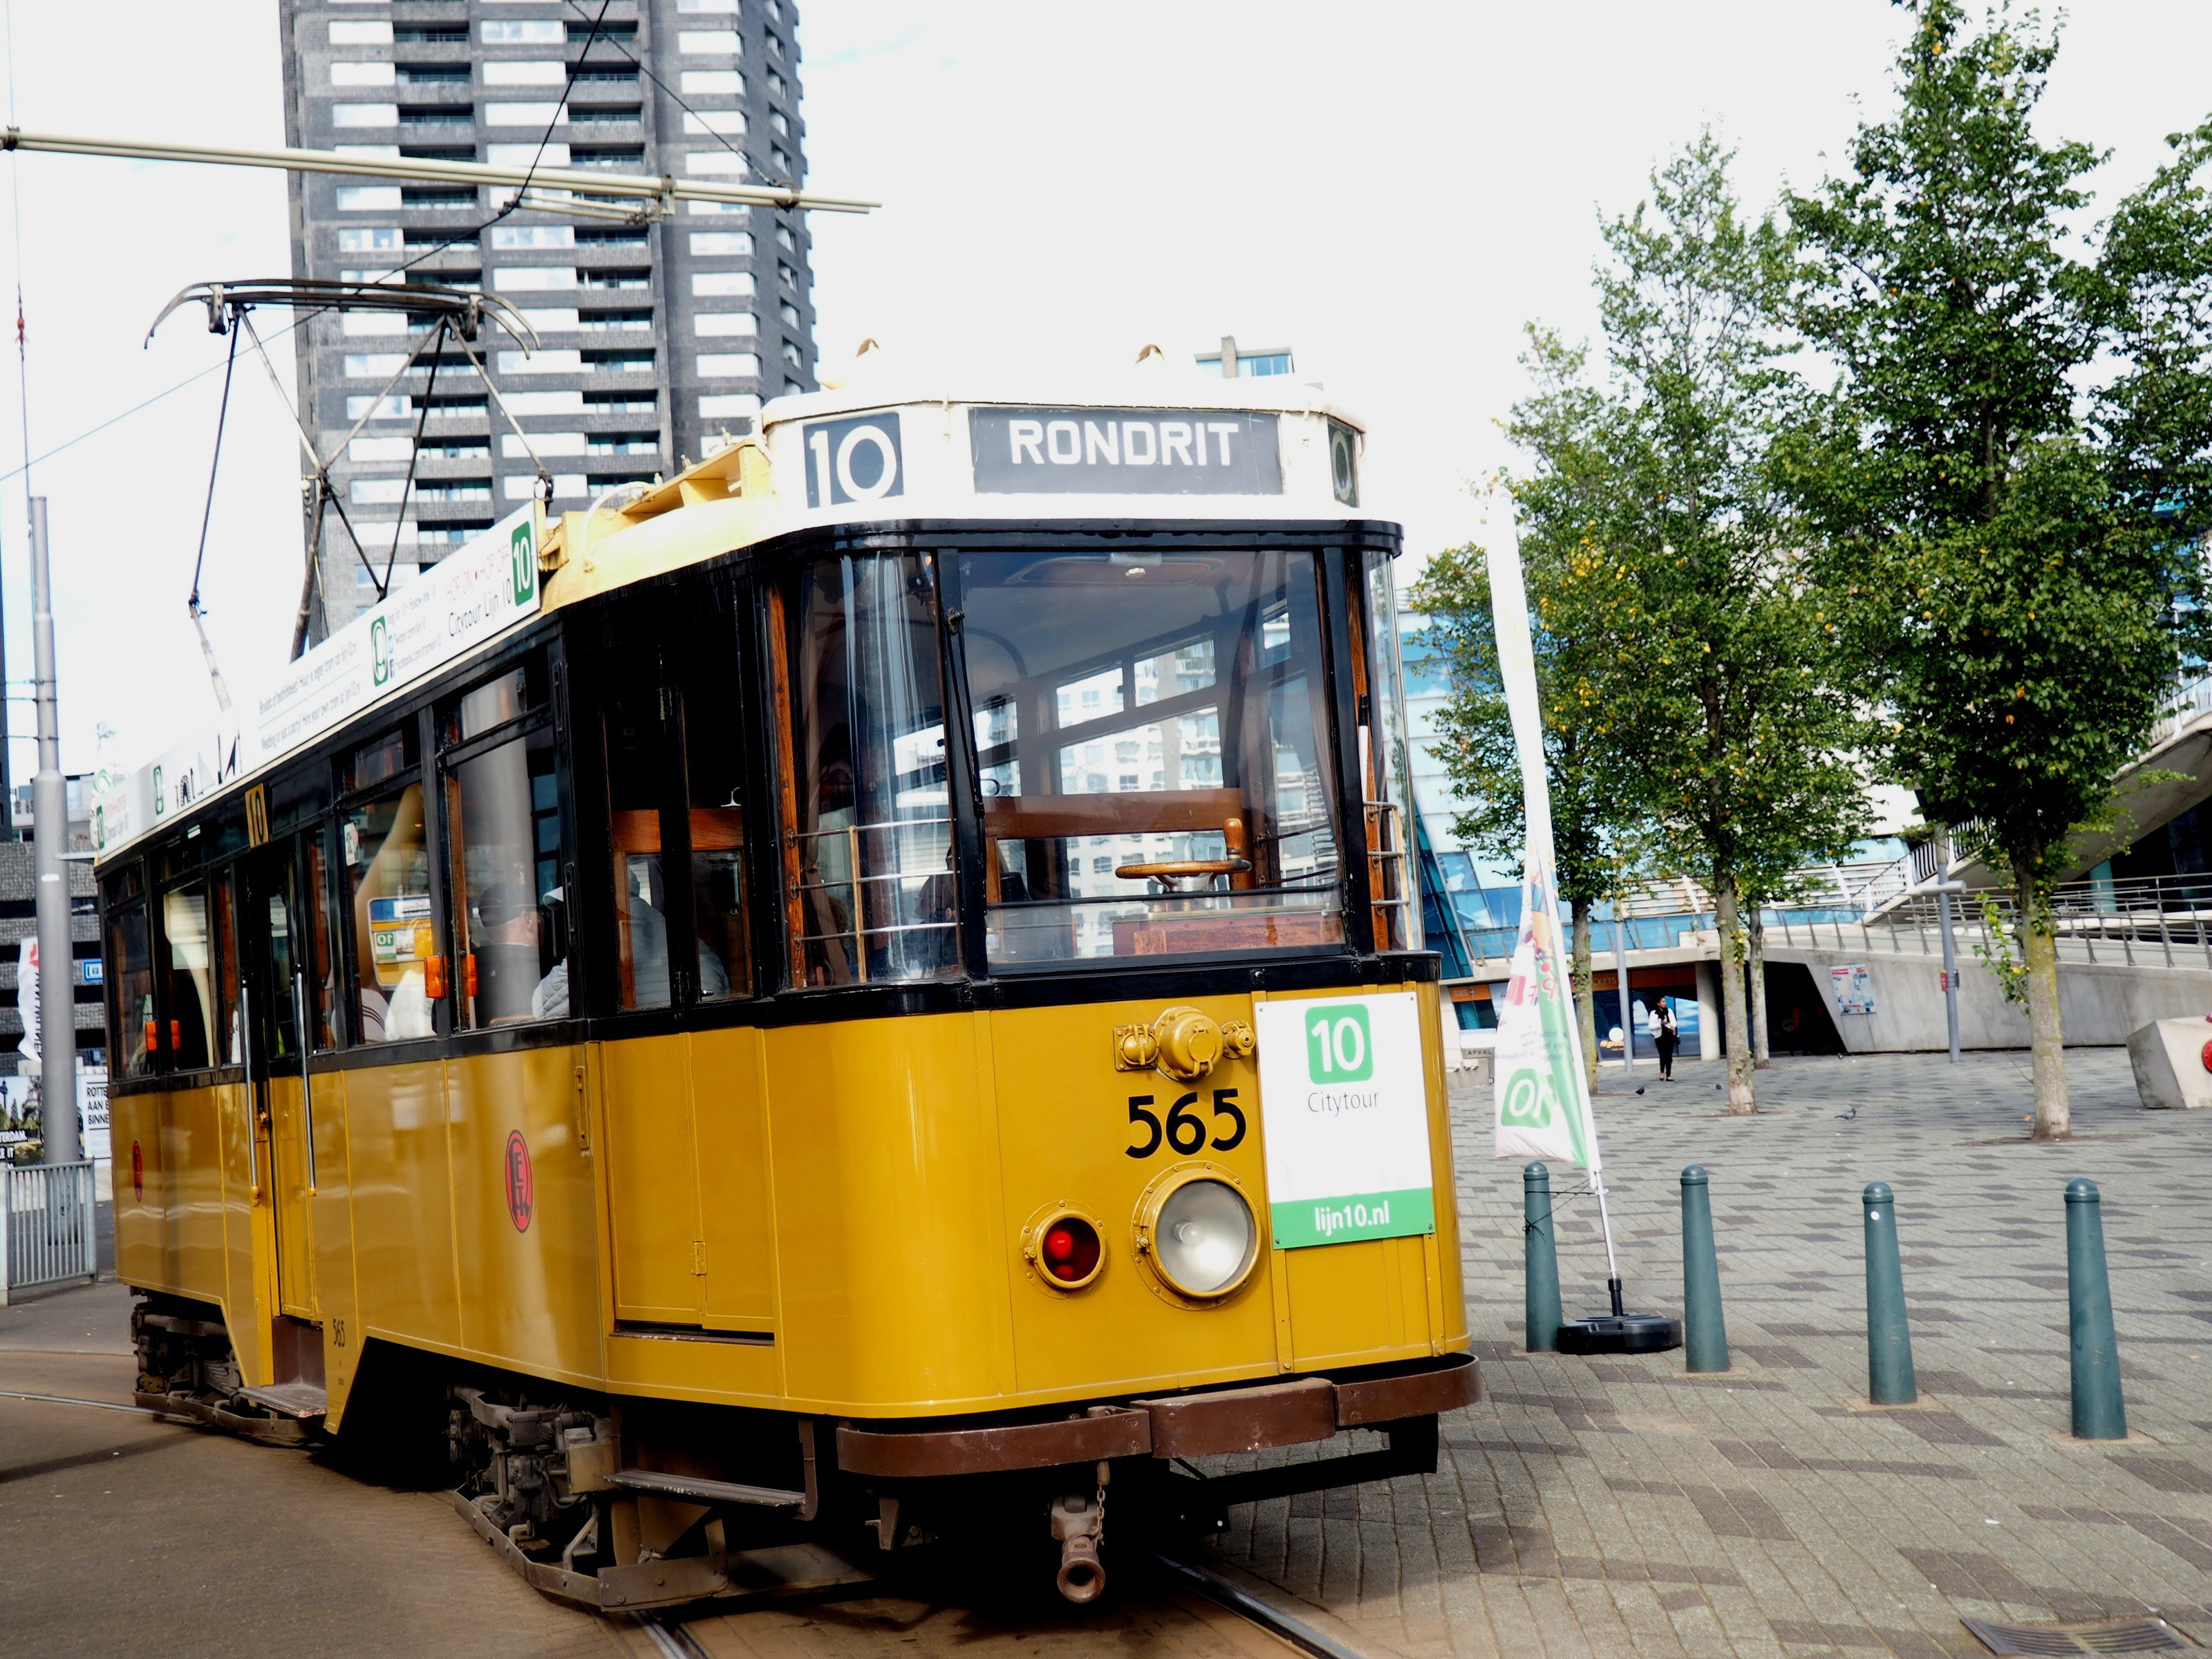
[1345, 1103]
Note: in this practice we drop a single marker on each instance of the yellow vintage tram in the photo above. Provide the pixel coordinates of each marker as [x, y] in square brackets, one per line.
[873, 981]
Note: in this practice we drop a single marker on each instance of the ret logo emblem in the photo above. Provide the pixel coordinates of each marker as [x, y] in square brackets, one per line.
[521, 1184]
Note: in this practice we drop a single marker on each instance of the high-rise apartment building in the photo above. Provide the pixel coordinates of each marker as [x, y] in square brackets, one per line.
[654, 339]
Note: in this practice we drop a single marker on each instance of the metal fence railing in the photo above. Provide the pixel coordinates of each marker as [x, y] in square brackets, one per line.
[2154, 921]
[46, 1225]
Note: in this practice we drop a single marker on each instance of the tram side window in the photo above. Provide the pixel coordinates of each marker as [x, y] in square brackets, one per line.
[868, 886]
[1385, 769]
[510, 907]
[322, 925]
[202, 970]
[130, 968]
[398, 966]
[714, 782]
[638, 772]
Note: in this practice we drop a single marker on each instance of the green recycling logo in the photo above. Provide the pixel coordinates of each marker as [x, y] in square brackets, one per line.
[1531, 1102]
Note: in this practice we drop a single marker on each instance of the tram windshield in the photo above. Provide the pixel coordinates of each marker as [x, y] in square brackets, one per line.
[1151, 736]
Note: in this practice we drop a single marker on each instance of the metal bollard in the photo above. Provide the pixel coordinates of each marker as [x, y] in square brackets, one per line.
[1704, 1330]
[2100, 1413]
[1542, 1292]
[1890, 1381]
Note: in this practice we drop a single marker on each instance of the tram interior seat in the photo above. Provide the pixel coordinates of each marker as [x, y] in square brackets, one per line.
[1175, 921]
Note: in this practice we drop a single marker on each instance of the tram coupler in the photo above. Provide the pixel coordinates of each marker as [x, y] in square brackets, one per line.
[1078, 1523]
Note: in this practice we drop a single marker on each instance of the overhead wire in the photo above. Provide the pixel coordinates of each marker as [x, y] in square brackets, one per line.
[676, 97]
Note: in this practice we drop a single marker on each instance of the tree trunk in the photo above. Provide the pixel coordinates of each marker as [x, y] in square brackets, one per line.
[1585, 1004]
[1740, 1100]
[1760, 1057]
[2054, 1118]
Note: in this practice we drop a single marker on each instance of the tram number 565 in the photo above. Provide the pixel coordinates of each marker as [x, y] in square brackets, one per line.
[1184, 1129]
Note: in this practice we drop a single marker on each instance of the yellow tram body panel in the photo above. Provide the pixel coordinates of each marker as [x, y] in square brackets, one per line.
[821, 1219]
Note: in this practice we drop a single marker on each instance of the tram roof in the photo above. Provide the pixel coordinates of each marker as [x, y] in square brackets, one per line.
[1145, 444]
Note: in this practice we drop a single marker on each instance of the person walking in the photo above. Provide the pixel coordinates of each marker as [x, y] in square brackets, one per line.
[1666, 1037]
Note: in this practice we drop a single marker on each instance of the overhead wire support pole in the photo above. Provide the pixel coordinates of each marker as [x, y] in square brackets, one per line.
[49, 836]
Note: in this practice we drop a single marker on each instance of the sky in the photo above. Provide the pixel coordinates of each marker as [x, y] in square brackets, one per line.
[1393, 190]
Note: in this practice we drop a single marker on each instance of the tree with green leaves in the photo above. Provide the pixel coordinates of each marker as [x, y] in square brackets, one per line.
[2005, 555]
[1719, 674]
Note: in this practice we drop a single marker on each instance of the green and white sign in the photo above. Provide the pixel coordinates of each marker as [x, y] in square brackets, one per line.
[1344, 1104]
[470, 596]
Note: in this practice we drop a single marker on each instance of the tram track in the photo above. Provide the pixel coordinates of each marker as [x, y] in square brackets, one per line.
[670, 1635]
[74, 1400]
[1199, 1610]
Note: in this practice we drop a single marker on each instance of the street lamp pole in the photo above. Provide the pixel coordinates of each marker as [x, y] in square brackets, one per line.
[50, 838]
[1944, 889]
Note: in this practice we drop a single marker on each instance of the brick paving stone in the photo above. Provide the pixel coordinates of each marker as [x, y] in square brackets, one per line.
[1618, 1505]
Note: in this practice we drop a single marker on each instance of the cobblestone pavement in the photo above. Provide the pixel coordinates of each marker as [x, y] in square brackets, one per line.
[1615, 1506]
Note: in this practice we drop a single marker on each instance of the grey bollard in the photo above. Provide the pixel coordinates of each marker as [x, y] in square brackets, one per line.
[1541, 1299]
[1705, 1331]
[1890, 1381]
[2100, 1413]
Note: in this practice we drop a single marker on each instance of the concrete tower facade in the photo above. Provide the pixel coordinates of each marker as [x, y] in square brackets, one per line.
[654, 339]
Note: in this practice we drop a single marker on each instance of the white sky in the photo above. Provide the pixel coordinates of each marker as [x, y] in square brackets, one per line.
[1391, 189]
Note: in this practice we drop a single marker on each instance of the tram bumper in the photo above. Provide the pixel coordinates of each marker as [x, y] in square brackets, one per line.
[1403, 1402]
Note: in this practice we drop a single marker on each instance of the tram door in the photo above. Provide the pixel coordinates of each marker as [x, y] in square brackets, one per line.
[271, 930]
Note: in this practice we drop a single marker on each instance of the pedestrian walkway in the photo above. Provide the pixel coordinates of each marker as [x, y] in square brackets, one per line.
[1619, 1507]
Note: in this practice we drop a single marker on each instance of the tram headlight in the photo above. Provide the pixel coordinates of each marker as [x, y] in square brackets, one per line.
[1205, 1238]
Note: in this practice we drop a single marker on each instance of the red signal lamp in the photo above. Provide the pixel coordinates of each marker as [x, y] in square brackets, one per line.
[1069, 1251]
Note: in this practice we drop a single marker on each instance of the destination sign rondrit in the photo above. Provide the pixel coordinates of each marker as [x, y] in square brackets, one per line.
[1125, 451]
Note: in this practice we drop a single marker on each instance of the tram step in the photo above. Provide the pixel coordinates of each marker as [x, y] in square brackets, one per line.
[702, 1491]
[291, 1398]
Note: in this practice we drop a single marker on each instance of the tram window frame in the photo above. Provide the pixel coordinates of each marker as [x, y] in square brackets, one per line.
[661, 652]
[525, 688]
[408, 734]
[215, 885]
[123, 901]
[315, 873]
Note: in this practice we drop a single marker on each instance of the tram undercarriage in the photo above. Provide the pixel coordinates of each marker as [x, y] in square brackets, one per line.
[624, 1504]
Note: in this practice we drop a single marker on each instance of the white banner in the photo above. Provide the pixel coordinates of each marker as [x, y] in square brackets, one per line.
[1543, 1105]
[26, 996]
[461, 601]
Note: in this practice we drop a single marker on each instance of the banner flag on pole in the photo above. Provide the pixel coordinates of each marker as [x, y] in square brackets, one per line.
[1543, 1093]
[26, 996]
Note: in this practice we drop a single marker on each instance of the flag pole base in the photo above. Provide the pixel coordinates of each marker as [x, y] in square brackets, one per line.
[1622, 1333]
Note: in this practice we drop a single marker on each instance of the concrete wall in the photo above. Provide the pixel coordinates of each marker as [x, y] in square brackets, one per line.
[2099, 1004]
